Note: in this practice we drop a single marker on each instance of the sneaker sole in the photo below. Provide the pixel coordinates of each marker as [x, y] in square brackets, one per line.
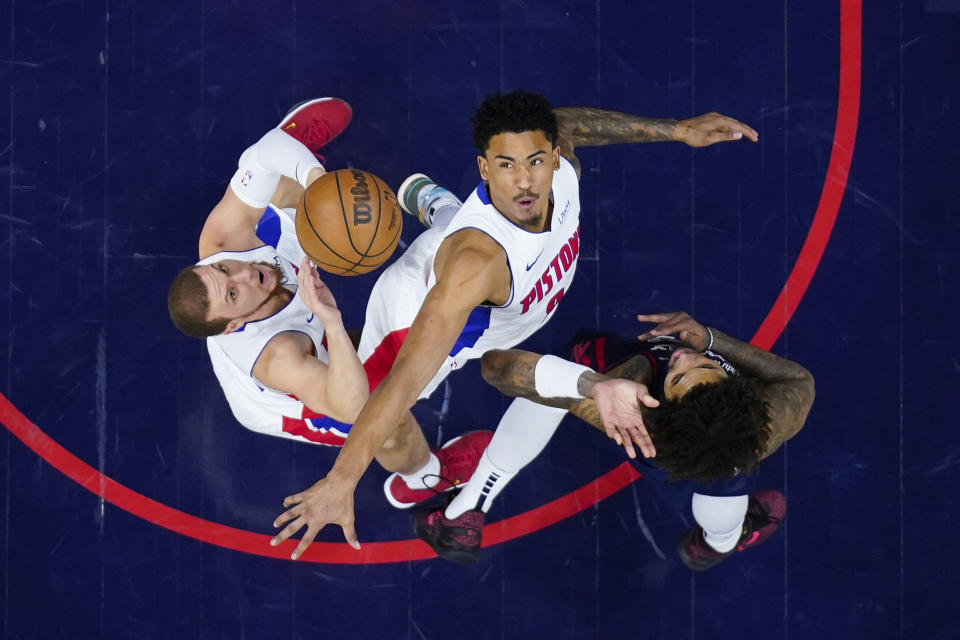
[408, 505]
[406, 185]
[307, 103]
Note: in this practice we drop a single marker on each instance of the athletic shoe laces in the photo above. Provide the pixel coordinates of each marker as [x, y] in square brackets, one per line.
[466, 454]
[318, 132]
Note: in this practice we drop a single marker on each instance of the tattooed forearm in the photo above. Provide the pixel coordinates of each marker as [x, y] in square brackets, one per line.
[586, 381]
[756, 362]
[512, 373]
[586, 127]
[789, 391]
[789, 403]
[586, 410]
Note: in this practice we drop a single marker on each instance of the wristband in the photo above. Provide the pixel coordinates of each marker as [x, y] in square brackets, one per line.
[709, 333]
[558, 378]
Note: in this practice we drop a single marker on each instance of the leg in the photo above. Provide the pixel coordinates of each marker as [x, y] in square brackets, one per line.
[288, 194]
[421, 196]
[728, 525]
[406, 452]
[455, 532]
[523, 432]
[720, 518]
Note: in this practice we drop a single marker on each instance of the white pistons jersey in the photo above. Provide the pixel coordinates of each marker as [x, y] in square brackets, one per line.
[542, 267]
[233, 355]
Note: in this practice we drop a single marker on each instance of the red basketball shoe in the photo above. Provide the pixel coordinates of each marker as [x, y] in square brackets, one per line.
[458, 460]
[316, 122]
[765, 512]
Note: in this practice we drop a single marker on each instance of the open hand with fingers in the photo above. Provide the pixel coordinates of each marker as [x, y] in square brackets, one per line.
[709, 128]
[618, 403]
[315, 294]
[329, 501]
[678, 323]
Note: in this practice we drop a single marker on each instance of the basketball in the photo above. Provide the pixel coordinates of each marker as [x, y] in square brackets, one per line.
[349, 222]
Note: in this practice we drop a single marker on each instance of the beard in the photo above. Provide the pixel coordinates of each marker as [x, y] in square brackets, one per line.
[279, 292]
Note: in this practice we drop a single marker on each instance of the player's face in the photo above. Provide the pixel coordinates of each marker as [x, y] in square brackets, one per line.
[518, 169]
[686, 370]
[237, 290]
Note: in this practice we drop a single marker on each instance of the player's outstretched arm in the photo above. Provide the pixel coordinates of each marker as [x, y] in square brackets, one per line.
[471, 268]
[789, 387]
[610, 404]
[589, 127]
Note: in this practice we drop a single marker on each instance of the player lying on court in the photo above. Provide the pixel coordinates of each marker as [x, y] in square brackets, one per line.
[275, 336]
[486, 275]
[719, 407]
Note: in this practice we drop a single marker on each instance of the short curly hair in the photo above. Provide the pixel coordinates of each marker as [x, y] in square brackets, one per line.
[513, 112]
[713, 432]
[188, 305]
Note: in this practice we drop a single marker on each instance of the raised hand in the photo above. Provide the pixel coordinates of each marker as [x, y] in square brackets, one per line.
[678, 323]
[315, 294]
[329, 501]
[618, 403]
[710, 128]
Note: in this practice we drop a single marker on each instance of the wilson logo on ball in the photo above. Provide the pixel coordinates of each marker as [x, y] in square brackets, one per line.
[361, 199]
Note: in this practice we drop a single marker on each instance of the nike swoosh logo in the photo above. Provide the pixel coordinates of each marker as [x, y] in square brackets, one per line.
[310, 319]
[530, 266]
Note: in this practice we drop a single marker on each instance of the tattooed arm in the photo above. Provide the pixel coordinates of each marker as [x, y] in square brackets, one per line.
[586, 127]
[612, 402]
[789, 387]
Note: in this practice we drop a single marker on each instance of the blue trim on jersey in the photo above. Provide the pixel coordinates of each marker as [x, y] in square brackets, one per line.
[268, 227]
[482, 193]
[327, 423]
[477, 323]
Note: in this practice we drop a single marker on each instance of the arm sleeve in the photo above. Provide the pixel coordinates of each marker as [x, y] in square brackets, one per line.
[261, 166]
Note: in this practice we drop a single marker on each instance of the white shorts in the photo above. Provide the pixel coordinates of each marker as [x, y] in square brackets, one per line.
[393, 305]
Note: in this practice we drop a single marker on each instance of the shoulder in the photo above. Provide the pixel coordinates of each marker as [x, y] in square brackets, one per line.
[471, 267]
[284, 349]
[469, 249]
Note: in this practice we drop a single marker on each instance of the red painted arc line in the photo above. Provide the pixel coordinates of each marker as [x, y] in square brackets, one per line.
[258, 544]
[834, 185]
[547, 514]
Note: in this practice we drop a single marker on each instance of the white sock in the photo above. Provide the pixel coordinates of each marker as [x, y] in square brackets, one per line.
[523, 432]
[441, 217]
[425, 477]
[487, 481]
[721, 519]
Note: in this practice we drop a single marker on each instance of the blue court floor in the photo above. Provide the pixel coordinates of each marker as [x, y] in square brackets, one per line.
[134, 506]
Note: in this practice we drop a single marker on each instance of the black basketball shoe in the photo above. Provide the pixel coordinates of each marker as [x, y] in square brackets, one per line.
[765, 512]
[457, 540]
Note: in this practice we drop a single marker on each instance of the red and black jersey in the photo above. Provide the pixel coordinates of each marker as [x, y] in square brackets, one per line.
[604, 351]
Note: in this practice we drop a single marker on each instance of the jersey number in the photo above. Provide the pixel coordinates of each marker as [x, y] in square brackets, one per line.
[554, 301]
